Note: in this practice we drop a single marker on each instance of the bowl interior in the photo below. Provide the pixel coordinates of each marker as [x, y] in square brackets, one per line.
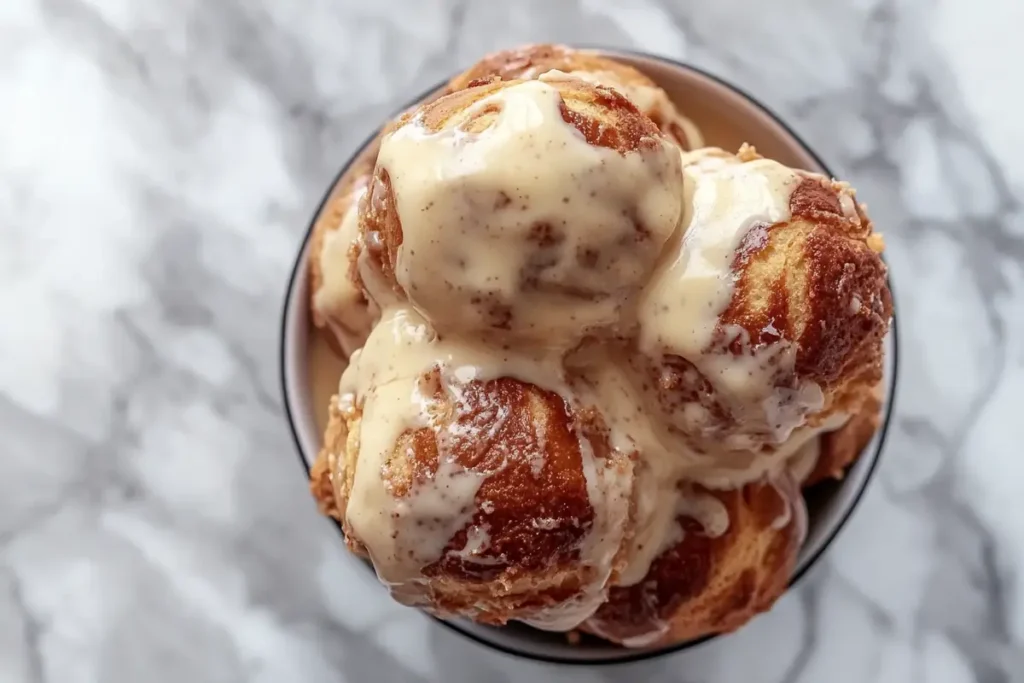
[727, 118]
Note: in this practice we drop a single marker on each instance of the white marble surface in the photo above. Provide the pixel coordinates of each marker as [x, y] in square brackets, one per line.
[158, 163]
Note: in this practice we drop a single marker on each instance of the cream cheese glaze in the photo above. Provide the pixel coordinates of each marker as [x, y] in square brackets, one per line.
[338, 299]
[667, 466]
[525, 227]
[680, 310]
[403, 534]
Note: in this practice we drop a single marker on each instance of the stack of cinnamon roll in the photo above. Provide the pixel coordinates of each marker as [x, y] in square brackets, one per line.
[592, 363]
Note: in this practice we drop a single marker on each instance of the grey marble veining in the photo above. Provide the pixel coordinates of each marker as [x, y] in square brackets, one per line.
[158, 164]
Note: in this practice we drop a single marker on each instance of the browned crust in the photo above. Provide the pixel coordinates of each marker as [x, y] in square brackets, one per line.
[709, 585]
[538, 426]
[534, 501]
[381, 226]
[320, 474]
[321, 487]
[841, 448]
[816, 281]
[530, 61]
[533, 60]
[603, 116]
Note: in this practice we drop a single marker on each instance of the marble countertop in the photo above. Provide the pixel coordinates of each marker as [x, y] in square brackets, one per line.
[159, 163]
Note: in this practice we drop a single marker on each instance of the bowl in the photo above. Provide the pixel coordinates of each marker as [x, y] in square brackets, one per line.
[727, 117]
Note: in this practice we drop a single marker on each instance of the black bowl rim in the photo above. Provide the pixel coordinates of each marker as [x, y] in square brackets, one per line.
[627, 656]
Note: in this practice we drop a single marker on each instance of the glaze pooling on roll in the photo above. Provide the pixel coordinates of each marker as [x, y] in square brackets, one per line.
[668, 466]
[609, 490]
[652, 101]
[339, 298]
[717, 542]
[336, 299]
[407, 521]
[524, 228]
[731, 202]
[388, 381]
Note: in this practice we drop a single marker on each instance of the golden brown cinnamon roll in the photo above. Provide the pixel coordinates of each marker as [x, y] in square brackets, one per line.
[769, 313]
[729, 556]
[531, 61]
[483, 497]
[525, 210]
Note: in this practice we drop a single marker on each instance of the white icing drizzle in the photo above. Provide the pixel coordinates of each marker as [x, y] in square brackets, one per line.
[405, 534]
[524, 227]
[665, 459]
[680, 310]
[342, 304]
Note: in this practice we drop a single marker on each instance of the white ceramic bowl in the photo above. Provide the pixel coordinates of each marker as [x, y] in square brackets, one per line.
[728, 117]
